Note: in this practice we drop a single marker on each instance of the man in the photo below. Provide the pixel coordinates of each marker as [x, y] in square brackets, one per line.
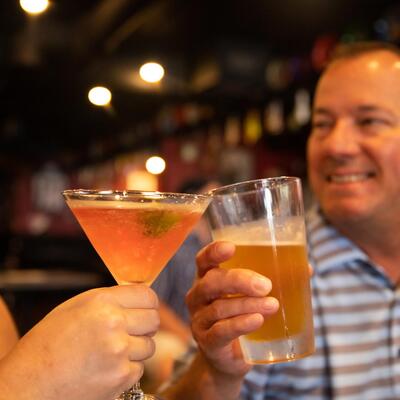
[91, 347]
[354, 171]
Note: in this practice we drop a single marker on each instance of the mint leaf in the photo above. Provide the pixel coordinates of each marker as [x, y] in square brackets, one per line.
[157, 222]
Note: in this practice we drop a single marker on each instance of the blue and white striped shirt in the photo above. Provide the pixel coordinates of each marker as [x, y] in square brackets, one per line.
[357, 328]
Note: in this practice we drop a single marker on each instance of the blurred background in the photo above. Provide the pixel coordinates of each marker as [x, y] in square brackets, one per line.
[229, 99]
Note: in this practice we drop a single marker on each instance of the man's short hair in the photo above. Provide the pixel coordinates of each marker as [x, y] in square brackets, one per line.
[354, 49]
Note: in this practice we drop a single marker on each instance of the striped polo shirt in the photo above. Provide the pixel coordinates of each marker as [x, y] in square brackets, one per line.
[357, 329]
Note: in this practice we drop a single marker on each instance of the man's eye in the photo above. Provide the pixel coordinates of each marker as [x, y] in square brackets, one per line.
[372, 122]
[321, 124]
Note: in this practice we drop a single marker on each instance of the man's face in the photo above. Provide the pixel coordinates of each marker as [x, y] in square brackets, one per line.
[354, 146]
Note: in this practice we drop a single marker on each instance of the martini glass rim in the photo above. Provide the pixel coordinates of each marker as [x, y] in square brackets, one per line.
[97, 194]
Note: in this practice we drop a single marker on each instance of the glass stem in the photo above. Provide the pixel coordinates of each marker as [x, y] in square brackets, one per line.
[137, 391]
[134, 393]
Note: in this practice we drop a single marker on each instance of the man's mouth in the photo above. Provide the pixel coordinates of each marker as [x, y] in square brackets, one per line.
[349, 178]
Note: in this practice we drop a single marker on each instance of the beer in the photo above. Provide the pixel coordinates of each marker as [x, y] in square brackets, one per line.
[264, 218]
[285, 264]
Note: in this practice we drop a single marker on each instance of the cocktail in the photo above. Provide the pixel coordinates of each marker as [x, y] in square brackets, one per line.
[135, 233]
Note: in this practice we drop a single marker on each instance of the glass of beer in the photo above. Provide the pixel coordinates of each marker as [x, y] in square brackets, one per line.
[265, 220]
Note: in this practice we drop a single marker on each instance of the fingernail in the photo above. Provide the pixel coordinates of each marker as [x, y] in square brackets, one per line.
[270, 304]
[261, 284]
[225, 248]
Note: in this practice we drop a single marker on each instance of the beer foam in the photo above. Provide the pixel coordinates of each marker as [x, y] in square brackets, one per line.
[288, 231]
[268, 243]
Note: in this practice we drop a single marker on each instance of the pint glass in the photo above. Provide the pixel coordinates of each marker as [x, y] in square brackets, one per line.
[265, 220]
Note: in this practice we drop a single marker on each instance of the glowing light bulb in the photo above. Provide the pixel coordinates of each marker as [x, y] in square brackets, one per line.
[155, 165]
[151, 72]
[34, 6]
[99, 96]
[373, 64]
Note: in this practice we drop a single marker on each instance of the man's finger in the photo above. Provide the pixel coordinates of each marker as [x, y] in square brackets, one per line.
[234, 306]
[136, 295]
[220, 282]
[224, 331]
[212, 255]
[142, 321]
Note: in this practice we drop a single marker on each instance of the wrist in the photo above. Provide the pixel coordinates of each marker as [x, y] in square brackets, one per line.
[202, 381]
[226, 385]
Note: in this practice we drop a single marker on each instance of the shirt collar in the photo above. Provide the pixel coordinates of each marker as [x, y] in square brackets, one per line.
[328, 248]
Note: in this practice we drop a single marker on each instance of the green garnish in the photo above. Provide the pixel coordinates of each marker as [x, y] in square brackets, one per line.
[158, 222]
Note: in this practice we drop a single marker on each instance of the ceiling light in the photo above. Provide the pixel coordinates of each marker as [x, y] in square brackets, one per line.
[34, 6]
[99, 96]
[151, 72]
[155, 165]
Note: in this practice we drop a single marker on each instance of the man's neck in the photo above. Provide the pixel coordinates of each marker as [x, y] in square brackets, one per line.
[379, 242]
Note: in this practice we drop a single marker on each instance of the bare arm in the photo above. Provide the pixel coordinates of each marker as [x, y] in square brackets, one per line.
[8, 330]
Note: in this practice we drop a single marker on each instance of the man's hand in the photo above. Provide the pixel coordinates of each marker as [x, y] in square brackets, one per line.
[219, 319]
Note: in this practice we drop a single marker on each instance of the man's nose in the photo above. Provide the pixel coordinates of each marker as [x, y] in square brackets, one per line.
[343, 139]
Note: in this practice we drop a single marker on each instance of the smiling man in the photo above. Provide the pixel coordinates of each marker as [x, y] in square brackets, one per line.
[354, 150]
[354, 247]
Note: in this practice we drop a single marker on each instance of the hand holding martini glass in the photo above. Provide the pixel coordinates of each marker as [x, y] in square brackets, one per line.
[135, 233]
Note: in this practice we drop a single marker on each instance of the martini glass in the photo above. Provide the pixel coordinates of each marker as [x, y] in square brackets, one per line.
[135, 233]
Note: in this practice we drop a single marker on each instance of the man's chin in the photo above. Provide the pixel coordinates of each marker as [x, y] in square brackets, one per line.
[343, 213]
